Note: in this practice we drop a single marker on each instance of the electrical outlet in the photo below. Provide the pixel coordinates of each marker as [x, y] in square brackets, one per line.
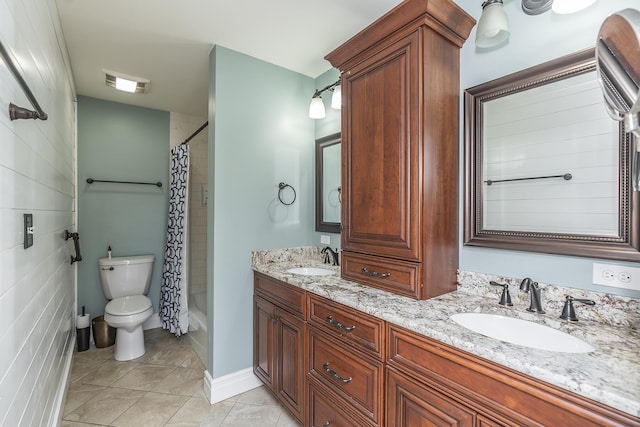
[325, 240]
[617, 276]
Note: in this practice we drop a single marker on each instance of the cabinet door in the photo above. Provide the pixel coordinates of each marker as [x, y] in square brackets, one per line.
[264, 341]
[410, 404]
[290, 362]
[381, 153]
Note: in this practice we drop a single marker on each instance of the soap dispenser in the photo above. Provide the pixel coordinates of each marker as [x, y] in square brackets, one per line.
[109, 252]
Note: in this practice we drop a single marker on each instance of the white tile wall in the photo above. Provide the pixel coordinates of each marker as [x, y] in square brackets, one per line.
[181, 127]
[37, 175]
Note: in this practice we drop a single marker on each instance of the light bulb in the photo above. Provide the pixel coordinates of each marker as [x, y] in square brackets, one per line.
[570, 6]
[316, 109]
[336, 98]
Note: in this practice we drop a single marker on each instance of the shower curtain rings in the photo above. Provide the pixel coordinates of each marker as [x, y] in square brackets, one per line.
[281, 187]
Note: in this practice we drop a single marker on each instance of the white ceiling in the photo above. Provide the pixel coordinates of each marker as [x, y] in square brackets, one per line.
[168, 41]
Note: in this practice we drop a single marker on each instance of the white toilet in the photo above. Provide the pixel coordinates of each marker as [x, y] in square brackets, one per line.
[125, 282]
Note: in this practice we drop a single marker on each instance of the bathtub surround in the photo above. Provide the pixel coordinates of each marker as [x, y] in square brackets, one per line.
[181, 127]
[174, 293]
[123, 142]
[37, 176]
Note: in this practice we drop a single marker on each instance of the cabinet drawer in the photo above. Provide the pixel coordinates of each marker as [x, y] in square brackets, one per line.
[363, 330]
[287, 296]
[400, 277]
[324, 412]
[410, 403]
[355, 379]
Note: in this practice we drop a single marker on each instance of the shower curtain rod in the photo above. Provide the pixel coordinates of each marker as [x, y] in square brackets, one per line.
[193, 135]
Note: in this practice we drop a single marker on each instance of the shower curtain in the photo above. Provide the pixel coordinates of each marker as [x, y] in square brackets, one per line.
[174, 312]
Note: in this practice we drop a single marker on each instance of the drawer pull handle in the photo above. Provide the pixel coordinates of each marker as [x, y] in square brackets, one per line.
[374, 273]
[335, 375]
[339, 325]
[326, 423]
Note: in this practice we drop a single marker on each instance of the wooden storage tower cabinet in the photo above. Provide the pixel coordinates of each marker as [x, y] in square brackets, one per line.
[400, 86]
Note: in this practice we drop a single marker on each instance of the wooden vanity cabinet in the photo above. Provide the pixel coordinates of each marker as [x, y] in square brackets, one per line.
[279, 340]
[400, 89]
[431, 383]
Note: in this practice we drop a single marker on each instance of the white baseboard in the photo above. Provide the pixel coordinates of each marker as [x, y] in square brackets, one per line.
[219, 389]
[61, 394]
[152, 322]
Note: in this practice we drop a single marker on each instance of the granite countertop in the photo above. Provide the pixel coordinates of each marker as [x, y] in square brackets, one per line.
[609, 375]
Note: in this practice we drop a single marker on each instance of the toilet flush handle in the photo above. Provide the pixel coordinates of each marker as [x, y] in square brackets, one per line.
[110, 268]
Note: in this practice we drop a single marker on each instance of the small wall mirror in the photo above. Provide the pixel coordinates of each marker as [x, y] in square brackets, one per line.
[547, 169]
[328, 189]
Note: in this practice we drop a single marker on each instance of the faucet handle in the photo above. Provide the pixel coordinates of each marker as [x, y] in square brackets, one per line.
[569, 311]
[505, 298]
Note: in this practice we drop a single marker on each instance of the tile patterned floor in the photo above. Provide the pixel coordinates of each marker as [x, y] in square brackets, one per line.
[161, 388]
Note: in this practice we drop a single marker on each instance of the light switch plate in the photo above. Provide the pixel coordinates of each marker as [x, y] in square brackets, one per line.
[28, 230]
[616, 276]
[325, 240]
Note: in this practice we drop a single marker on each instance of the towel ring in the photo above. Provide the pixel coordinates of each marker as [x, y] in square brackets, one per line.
[281, 187]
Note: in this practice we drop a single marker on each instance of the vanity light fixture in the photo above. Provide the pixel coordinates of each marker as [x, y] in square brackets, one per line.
[570, 6]
[493, 25]
[316, 109]
[126, 83]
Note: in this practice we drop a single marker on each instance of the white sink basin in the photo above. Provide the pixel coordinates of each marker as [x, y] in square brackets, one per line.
[522, 332]
[311, 271]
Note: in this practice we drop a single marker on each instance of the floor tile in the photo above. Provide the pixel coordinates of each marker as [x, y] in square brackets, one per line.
[258, 396]
[199, 412]
[182, 381]
[144, 377]
[183, 356]
[76, 424]
[108, 372]
[153, 409]
[79, 394]
[287, 420]
[105, 407]
[248, 415]
[164, 387]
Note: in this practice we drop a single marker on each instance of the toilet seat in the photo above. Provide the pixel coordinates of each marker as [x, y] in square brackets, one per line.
[127, 306]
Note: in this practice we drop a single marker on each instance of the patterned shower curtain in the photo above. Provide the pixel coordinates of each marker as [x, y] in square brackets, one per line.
[174, 312]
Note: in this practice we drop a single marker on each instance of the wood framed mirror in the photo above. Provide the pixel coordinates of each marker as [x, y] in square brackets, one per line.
[546, 168]
[328, 188]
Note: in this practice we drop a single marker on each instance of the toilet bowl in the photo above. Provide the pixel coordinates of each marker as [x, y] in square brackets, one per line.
[127, 314]
[125, 282]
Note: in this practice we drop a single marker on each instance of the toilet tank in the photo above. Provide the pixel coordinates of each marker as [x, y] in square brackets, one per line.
[126, 276]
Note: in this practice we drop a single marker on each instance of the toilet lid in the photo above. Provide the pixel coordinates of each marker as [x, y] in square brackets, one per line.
[128, 305]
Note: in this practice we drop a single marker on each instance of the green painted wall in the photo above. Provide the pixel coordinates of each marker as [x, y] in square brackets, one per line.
[128, 143]
[260, 134]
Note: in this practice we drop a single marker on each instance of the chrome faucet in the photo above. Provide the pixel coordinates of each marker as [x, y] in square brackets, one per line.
[329, 254]
[530, 286]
